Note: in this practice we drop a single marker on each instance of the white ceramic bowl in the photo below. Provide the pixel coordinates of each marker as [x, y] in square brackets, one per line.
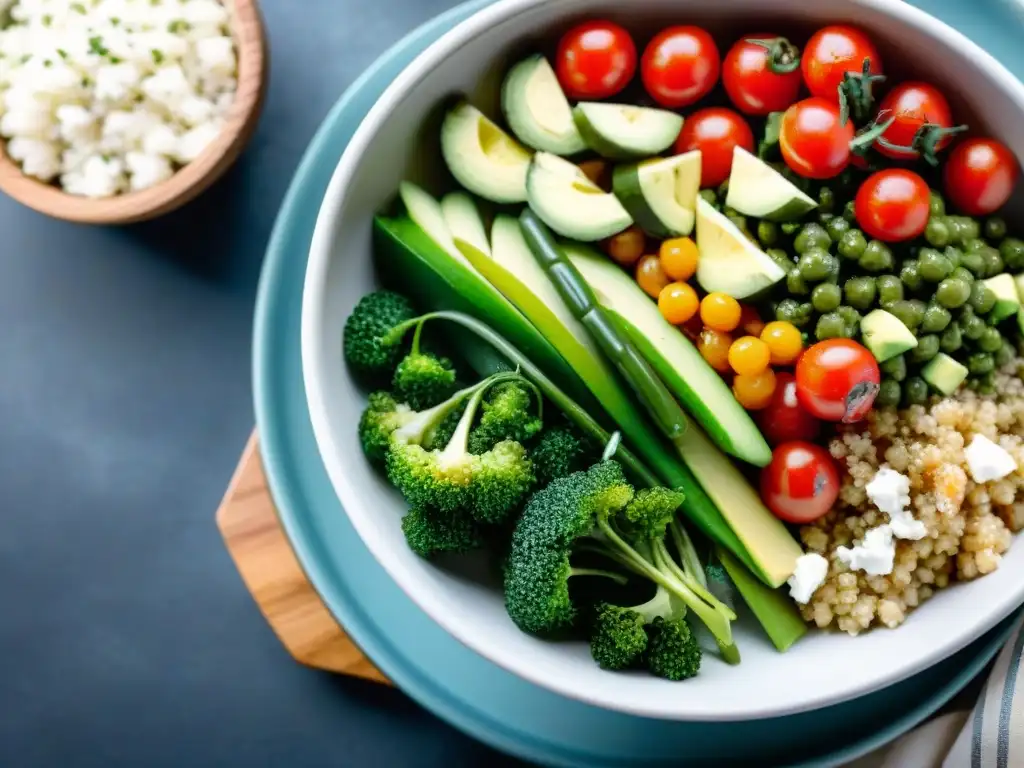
[390, 145]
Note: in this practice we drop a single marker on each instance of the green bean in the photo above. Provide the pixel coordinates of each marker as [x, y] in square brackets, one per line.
[953, 292]
[951, 339]
[787, 310]
[995, 228]
[933, 266]
[974, 262]
[980, 363]
[860, 292]
[826, 297]
[1005, 354]
[603, 327]
[895, 368]
[852, 244]
[830, 326]
[1012, 251]
[936, 319]
[889, 394]
[915, 391]
[767, 233]
[795, 283]
[907, 312]
[815, 264]
[910, 275]
[836, 227]
[811, 236]
[937, 232]
[889, 289]
[936, 205]
[983, 298]
[927, 348]
[877, 257]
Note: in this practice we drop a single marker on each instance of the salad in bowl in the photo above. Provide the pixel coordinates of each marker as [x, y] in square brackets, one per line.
[681, 353]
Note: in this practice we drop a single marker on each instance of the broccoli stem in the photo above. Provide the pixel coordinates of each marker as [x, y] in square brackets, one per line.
[618, 578]
[415, 350]
[458, 445]
[424, 422]
[551, 391]
[687, 552]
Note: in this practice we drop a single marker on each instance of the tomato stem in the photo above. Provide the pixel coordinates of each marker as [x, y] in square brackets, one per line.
[783, 56]
[927, 139]
[855, 92]
[870, 134]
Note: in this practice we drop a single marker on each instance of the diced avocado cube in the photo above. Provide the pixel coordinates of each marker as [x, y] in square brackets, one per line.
[885, 335]
[944, 373]
[1019, 281]
[1007, 298]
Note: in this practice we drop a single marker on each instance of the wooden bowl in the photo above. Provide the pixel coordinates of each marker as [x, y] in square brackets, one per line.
[193, 178]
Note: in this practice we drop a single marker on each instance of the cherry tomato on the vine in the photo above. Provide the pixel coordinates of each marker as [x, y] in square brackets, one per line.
[911, 106]
[761, 74]
[715, 131]
[813, 140]
[801, 483]
[980, 175]
[785, 419]
[892, 205]
[830, 53]
[837, 380]
[595, 60]
[680, 66]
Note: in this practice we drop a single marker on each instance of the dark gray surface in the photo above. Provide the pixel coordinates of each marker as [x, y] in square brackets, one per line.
[126, 635]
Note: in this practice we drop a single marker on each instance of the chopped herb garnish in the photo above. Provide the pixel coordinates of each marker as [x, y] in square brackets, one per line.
[78, 8]
[47, 19]
[62, 53]
[115, 59]
[114, 21]
[96, 46]
[179, 25]
[47, 63]
[105, 158]
[25, 58]
[158, 56]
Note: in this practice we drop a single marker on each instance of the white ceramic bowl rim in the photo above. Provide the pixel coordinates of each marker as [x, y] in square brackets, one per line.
[432, 603]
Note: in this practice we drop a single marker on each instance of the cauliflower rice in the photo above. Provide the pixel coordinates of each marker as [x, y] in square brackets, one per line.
[113, 96]
[969, 525]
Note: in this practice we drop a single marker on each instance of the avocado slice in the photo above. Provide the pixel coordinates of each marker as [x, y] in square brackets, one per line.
[1019, 282]
[1007, 297]
[729, 262]
[536, 109]
[702, 391]
[661, 195]
[625, 131]
[482, 157]
[756, 189]
[570, 203]
[426, 212]
[885, 335]
[944, 373]
[464, 220]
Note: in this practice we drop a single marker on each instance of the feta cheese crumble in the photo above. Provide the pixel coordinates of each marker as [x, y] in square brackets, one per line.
[874, 555]
[988, 461]
[112, 96]
[809, 574]
[890, 492]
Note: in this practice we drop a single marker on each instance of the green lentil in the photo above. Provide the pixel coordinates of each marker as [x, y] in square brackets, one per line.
[780, 257]
[877, 257]
[850, 211]
[852, 244]
[1005, 354]
[972, 326]
[927, 348]
[991, 340]
[826, 297]
[812, 236]
[995, 228]
[953, 292]
[767, 233]
[795, 283]
[815, 264]
[936, 232]
[860, 292]
[895, 368]
[974, 262]
[963, 274]
[788, 310]
[933, 266]
[983, 298]
[980, 363]
[910, 275]
[936, 205]
[836, 227]
[992, 260]
[889, 289]
[889, 394]
[1012, 251]
[936, 319]
[915, 391]
[951, 339]
[830, 326]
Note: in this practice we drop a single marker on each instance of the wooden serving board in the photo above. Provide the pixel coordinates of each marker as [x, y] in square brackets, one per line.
[248, 522]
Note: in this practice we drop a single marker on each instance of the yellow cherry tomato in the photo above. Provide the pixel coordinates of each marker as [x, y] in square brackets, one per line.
[650, 276]
[714, 348]
[720, 312]
[678, 302]
[626, 247]
[749, 355]
[784, 342]
[678, 258]
[754, 391]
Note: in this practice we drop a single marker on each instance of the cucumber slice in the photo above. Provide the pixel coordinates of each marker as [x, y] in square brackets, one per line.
[624, 131]
[756, 189]
[661, 195]
[426, 212]
[570, 203]
[729, 262]
[701, 390]
[536, 109]
[482, 157]
[464, 220]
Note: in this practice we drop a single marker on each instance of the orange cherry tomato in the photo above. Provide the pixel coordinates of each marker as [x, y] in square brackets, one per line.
[678, 302]
[720, 312]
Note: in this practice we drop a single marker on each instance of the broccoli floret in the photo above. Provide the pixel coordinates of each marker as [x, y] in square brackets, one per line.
[423, 379]
[507, 413]
[560, 451]
[368, 354]
[489, 486]
[597, 508]
[672, 650]
[618, 636]
[383, 415]
[429, 532]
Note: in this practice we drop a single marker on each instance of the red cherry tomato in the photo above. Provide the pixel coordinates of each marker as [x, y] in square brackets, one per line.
[813, 139]
[715, 131]
[980, 175]
[760, 79]
[801, 483]
[912, 105]
[833, 51]
[837, 380]
[785, 419]
[595, 60]
[892, 205]
[680, 66]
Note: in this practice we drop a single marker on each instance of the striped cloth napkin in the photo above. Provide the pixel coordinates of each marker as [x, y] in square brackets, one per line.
[989, 736]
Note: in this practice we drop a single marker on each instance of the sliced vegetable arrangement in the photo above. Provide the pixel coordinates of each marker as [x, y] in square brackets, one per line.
[655, 313]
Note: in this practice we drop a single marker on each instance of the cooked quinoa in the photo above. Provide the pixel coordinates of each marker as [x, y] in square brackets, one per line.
[969, 525]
